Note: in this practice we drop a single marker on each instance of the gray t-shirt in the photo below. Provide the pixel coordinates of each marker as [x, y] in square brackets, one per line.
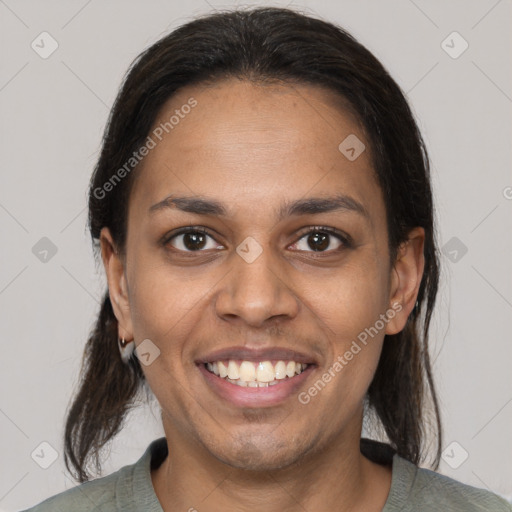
[413, 489]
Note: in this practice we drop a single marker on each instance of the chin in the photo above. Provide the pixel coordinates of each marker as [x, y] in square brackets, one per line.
[259, 454]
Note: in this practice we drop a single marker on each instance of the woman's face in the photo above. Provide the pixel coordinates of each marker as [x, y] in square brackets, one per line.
[259, 289]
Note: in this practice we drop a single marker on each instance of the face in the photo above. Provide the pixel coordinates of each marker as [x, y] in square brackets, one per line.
[270, 271]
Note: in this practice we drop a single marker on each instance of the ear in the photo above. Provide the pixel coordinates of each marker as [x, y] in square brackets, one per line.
[406, 278]
[117, 286]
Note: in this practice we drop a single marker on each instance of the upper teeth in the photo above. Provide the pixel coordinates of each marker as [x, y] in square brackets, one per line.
[261, 372]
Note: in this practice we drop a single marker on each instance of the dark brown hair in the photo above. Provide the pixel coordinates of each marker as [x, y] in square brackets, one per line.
[266, 44]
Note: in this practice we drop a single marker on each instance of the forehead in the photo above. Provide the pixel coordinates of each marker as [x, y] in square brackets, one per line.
[254, 144]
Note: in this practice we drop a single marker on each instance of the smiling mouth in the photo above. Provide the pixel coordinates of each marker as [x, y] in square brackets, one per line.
[251, 374]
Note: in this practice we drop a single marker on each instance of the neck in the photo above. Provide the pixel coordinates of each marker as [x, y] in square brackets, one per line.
[337, 477]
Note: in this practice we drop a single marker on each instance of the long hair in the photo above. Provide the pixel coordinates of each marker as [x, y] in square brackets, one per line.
[267, 44]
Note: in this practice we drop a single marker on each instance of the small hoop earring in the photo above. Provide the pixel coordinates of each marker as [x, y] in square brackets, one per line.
[126, 349]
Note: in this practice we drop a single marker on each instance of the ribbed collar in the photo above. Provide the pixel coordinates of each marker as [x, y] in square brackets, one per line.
[135, 490]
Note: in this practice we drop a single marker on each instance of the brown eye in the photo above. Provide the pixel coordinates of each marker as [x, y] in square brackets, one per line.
[191, 240]
[318, 241]
[321, 240]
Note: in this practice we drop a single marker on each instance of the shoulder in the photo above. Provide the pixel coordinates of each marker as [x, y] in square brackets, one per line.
[97, 495]
[129, 488]
[416, 489]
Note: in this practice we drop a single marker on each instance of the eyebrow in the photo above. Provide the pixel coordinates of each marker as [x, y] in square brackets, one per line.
[309, 206]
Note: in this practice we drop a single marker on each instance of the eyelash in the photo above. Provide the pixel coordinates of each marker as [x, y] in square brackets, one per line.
[342, 237]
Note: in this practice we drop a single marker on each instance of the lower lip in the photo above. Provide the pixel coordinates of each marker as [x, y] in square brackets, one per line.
[255, 397]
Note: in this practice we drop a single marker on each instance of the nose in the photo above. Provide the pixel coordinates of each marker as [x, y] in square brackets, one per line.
[254, 292]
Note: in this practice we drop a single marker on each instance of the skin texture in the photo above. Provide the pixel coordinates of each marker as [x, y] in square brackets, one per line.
[253, 147]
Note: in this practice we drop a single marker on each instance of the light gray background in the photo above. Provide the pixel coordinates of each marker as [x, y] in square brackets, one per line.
[53, 112]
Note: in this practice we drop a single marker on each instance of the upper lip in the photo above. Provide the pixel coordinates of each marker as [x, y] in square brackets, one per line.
[256, 355]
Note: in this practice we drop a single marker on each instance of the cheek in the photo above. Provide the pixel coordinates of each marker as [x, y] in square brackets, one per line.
[166, 309]
[163, 297]
[348, 309]
[349, 299]
[349, 316]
